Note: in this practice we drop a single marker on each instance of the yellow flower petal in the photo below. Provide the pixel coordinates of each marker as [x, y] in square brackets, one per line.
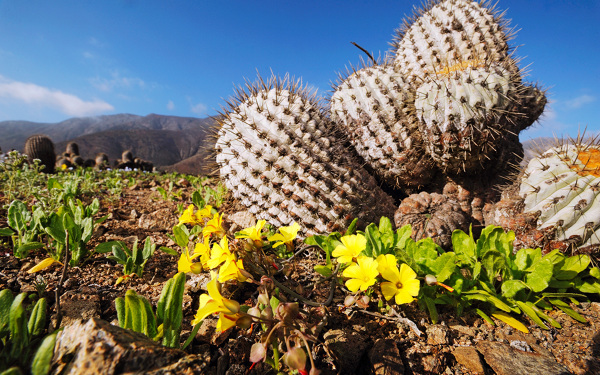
[385, 262]
[353, 284]
[43, 265]
[388, 290]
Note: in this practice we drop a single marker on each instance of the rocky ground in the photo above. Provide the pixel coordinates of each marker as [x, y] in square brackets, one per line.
[354, 340]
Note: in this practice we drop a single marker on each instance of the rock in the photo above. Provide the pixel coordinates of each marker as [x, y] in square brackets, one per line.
[96, 347]
[241, 220]
[208, 332]
[437, 335]
[385, 358]
[157, 220]
[506, 360]
[196, 282]
[76, 306]
[469, 357]
[348, 348]
[191, 364]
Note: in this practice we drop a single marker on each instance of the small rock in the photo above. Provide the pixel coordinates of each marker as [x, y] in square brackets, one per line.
[385, 358]
[208, 332]
[241, 220]
[348, 348]
[437, 335]
[194, 283]
[133, 215]
[96, 347]
[469, 357]
[505, 360]
[183, 182]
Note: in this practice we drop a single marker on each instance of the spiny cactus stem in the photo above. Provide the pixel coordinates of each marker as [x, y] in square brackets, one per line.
[365, 51]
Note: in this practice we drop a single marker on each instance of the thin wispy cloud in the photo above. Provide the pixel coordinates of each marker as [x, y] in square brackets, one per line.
[170, 105]
[36, 95]
[579, 101]
[116, 81]
[199, 109]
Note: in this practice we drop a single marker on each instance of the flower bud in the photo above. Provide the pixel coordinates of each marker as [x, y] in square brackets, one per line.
[244, 322]
[295, 358]
[288, 311]
[196, 268]
[430, 280]
[257, 352]
[254, 311]
[267, 313]
[231, 305]
[263, 299]
[349, 300]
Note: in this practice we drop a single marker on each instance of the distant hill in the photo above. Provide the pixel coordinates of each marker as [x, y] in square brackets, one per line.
[163, 140]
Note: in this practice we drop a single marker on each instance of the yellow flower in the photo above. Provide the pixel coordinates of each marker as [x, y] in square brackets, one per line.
[185, 263]
[231, 270]
[253, 233]
[214, 302]
[362, 275]
[402, 284]
[286, 235]
[188, 216]
[206, 212]
[351, 247]
[214, 225]
[219, 253]
[385, 262]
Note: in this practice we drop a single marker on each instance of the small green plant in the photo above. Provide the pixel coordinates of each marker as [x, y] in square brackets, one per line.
[21, 336]
[133, 261]
[28, 227]
[135, 312]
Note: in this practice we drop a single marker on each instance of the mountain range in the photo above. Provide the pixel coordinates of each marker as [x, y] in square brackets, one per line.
[171, 143]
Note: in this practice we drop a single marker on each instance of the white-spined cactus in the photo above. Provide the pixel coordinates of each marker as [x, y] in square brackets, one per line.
[278, 154]
[375, 106]
[562, 185]
[450, 32]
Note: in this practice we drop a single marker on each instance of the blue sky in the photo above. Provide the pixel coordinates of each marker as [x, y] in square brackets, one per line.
[72, 58]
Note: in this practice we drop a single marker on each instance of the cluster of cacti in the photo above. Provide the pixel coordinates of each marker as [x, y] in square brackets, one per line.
[41, 147]
[281, 156]
[128, 161]
[440, 115]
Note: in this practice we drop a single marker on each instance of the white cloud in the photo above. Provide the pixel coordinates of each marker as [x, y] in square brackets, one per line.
[198, 109]
[579, 101]
[41, 96]
[117, 81]
[170, 105]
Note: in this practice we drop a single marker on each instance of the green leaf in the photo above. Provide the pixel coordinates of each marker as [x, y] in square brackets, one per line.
[119, 253]
[6, 300]
[510, 288]
[6, 232]
[351, 228]
[485, 316]
[106, 247]
[464, 246]
[568, 310]
[589, 286]
[433, 314]
[571, 267]
[532, 314]
[543, 315]
[494, 238]
[42, 359]
[555, 257]
[323, 270]
[526, 258]
[444, 266]
[23, 250]
[595, 272]
[18, 216]
[511, 321]
[539, 278]
[169, 251]
[493, 262]
[181, 236]
[54, 184]
[37, 319]
[149, 248]
[374, 246]
[403, 235]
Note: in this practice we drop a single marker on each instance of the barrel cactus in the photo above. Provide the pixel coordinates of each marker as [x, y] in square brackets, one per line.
[469, 93]
[375, 106]
[41, 147]
[562, 186]
[281, 157]
[72, 149]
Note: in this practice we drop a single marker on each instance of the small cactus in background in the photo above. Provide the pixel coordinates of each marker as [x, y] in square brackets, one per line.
[72, 149]
[127, 156]
[280, 155]
[41, 147]
[101, 161]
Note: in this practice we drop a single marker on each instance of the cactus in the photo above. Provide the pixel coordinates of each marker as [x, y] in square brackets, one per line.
[41, 147]
[280, 155]
[562, 186]
[102, 161]
[72, 149]
[470, 98]
[450, 32]
[127, 156]
[376, 107]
